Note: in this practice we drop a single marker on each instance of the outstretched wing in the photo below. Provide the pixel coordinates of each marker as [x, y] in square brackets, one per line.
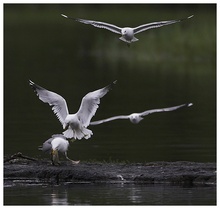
[109, 119]
[90, 104]
[148, 26]
[57, 102]
[111, 27]
[165, 109]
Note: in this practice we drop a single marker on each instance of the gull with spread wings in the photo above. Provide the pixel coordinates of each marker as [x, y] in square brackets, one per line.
[127, 32]
[137, 117]
[77, 123]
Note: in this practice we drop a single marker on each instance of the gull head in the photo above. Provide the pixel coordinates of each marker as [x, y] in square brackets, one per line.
[135, 118]
[127, 33]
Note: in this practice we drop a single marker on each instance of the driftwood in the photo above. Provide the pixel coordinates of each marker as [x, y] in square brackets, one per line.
[19, 155]
[28, 169]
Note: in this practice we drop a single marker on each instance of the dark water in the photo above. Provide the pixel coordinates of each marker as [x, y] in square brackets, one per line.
[168, 66]
[109, 194]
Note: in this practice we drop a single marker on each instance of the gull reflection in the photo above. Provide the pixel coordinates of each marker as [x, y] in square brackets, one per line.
[58, 197]
[135, 195]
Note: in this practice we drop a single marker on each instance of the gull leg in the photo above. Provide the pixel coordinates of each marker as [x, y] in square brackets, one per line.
[52, 159]
[74, 162]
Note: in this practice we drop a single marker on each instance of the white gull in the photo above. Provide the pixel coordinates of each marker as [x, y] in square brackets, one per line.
[77, 123]
[127, 32]
[137, 117]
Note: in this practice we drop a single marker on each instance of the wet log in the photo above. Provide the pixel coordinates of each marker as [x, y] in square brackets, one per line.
[25, 169]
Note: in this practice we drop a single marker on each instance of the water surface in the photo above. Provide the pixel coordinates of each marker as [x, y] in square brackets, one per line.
[109, 194]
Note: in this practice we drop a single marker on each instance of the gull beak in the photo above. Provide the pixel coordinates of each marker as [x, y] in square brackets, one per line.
[54, 157]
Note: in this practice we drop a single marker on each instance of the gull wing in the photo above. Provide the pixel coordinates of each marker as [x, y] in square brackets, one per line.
[109, 119]
[148, 26]
[165, 109]
[111, 27]
[57, 102]
[46, 145]
[90, 104]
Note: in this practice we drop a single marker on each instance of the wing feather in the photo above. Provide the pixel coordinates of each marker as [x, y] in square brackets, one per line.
[109, 119]
[148, 26]
[98, 24]
[57, 102]
[90, 104]
[165, 109]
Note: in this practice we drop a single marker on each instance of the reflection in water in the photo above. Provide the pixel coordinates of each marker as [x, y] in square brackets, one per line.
[109, 194]
[58, 197]
[134, 196]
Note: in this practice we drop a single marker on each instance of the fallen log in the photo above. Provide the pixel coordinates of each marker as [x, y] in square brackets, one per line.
[41, 171]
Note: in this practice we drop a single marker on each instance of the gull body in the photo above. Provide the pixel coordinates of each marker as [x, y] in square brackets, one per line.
[77, 123]
[137, 117]
[127, 32]
[57, 143]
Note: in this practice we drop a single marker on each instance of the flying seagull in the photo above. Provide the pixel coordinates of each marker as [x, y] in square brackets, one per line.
[127, 32]
[137, 117]
[57, 143]
[77, 123]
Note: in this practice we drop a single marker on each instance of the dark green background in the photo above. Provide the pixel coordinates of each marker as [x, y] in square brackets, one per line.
[168, 66]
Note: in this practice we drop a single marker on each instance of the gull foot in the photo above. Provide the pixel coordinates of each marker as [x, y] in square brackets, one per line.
[75, 162]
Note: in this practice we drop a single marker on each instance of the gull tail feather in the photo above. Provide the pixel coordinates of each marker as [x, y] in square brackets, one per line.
[134, 39]
[78, 134]
[69, 133]
[127, 41]
[87, 133]
[123, 39]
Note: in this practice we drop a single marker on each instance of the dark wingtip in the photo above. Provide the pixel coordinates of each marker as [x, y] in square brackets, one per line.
[34, 86]
[190, 16]
[186, 18]
[109, 87]
[65, 16]
[189, 104]
[30, 82]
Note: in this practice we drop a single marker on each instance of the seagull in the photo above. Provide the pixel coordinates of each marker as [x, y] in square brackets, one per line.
[57, 143]
[127, 32]
[77, 123]
[137, 117]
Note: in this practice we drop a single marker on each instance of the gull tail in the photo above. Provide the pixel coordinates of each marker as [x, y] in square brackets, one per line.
[127, 41]
[69, 134]
[87, 133]
[134, 39]
[77, 134]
